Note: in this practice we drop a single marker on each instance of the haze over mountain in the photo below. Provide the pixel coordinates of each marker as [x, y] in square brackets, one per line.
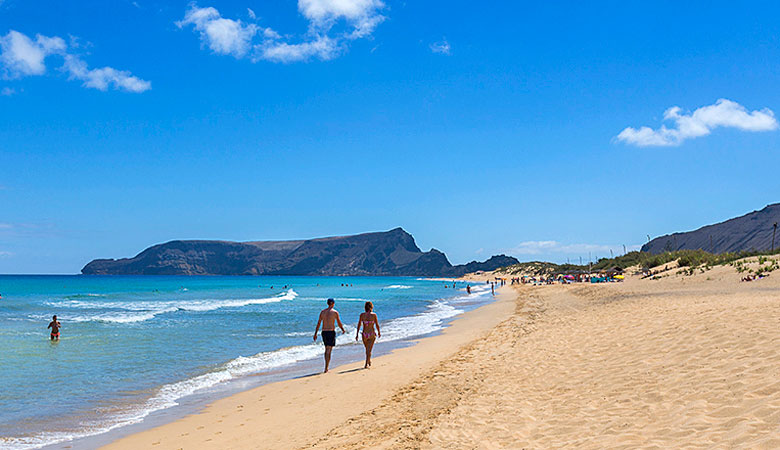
[752, 231]
[391, 252]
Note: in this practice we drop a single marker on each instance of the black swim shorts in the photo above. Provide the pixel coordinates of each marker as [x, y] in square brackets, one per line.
[329, 338]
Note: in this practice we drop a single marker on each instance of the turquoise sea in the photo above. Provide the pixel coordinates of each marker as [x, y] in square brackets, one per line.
[132, 346]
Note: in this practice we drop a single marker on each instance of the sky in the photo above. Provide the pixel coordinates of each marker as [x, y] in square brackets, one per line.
[546, 132]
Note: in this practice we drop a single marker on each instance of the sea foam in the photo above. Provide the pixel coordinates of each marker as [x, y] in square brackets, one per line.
[139, 311]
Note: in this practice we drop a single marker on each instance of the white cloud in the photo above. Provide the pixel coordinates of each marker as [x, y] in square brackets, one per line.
[362, 15]
[323, 48]
[105, 77]
[5, 254]
[21, 56]
[7, 92]
[724, 113]
[442, 47]
[233, 37]
[222, 36]
[327, 10]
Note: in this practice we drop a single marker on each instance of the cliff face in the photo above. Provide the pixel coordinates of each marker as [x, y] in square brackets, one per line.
[752, 231]
[392, 252]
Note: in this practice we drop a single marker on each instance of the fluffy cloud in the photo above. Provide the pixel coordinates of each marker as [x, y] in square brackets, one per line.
[105, 77]
[724, 113]
[442, 47]
[328, 10]
[7, 92]
[361, 15]
[239, 39]
[22, 56]
[222, 36]
[323, 48]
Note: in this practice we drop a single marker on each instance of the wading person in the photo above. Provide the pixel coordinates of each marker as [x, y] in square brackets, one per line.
[369, 321]
[55, 329]
[329, 317]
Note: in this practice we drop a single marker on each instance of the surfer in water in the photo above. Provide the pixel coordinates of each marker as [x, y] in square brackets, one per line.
[55, 328]
[328, 319]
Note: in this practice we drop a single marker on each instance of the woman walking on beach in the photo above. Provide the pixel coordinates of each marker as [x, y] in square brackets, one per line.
[368, 320]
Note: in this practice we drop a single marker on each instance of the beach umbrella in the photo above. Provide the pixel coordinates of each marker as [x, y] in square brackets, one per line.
[619, 277]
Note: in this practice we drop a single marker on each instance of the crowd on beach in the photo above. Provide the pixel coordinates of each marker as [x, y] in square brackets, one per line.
[754, 277]
[565, 279]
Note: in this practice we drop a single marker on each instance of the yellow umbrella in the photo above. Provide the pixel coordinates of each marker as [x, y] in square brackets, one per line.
[619, 277]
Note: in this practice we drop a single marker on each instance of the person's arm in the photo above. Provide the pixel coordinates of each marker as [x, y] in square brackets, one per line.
[376, 322]
[318, 327]
[357, 332]
[50, 324]
[341, 325]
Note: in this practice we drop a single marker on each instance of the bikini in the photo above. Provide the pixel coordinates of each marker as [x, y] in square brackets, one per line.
[368, 329]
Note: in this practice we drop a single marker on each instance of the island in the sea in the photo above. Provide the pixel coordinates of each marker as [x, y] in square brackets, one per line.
[388, 253]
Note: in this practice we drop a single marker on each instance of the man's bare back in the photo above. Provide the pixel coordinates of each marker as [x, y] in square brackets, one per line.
[329, 318]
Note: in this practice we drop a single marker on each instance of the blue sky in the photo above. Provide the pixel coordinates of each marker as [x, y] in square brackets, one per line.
[506, 128]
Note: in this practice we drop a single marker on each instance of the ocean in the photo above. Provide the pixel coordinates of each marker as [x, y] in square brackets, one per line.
[132, 346]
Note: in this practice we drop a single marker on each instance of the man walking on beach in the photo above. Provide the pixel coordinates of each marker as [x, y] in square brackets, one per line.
[329, 317]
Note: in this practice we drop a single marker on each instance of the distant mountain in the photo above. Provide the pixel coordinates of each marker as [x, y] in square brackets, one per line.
[391, 252]
[749, 232]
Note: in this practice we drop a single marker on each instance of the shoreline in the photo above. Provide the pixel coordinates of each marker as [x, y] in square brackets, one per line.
[268, 407]
[243, 364]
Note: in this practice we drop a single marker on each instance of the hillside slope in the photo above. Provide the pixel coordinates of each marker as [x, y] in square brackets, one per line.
[391, 252]
[752, 231]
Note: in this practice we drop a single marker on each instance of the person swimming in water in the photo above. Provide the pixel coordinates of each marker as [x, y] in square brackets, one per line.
[369, 321]
[55, 329]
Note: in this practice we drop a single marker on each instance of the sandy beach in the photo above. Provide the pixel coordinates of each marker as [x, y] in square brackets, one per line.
[681, 361]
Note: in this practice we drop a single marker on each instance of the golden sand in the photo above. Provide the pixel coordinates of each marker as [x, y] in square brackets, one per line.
[684, 361]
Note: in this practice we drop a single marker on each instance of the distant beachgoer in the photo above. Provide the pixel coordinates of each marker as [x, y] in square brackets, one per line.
[468, 289]
[55, 329]
[368, 320]
[328, 318]
[492, 289]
